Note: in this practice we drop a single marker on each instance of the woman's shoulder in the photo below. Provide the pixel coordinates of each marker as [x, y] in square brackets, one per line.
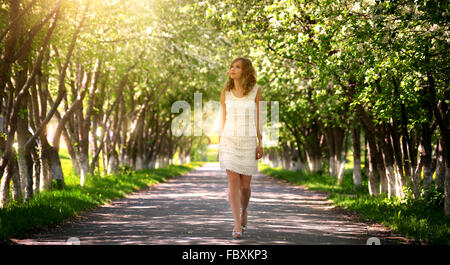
[223, 94]
[255, 89]
[257, 94]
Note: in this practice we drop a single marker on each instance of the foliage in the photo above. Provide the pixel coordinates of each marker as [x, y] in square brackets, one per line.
[51, 207]
[421, 219]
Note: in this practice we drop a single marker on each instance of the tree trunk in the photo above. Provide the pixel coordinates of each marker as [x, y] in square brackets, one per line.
[313, 151]
[113, 162]
[25, 160]
[408, 159]
[366, 156]
[94, 146]
[441, 114]
[394, 141]
[43, 182]
[342, 160]
[17, 193]
[300, 157]
[287, 157]
[426, 134]
[182, 155]
[389, 163]
[56, 168]
[11, 172]
[9, 47]
[374, 182]
[56, 140]
[356, 157]
[71, 151]
[440, 166]
[447, 190]
[83, 159]
[388, 182]
[340, 138]
[5, 185]
[331, 151]
[335, 138]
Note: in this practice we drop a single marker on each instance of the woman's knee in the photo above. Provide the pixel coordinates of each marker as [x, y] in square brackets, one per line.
[245, 183]
[245, 188]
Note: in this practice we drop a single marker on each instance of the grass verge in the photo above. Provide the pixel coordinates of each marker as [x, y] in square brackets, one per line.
[422, 219]
[52, 207]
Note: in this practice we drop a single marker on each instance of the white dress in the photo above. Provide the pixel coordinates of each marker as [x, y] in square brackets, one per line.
[238, 141]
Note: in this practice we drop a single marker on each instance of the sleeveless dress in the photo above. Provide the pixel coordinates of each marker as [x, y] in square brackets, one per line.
[238, 141]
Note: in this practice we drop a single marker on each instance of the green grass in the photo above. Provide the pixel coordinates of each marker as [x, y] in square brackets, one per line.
[52, 207]
[422, 219]
[211, 154]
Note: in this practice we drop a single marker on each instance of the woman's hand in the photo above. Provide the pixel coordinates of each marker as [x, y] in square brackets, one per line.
[259, 152]
[218, 151]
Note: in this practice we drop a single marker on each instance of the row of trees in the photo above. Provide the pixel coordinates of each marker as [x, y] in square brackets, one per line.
[106, 73]
[350, 74]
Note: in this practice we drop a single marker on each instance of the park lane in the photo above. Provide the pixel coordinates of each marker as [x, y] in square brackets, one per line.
[194, 209]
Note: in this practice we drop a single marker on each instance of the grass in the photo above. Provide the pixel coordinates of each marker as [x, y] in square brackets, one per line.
[52, 207]
[211, 154]
[422, 219]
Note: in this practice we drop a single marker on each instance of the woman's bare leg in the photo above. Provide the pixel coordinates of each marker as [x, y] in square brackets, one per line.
[234, 197]
[245, 196]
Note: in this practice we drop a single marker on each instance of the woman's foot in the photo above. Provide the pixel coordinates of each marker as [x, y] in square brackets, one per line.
[236, 234]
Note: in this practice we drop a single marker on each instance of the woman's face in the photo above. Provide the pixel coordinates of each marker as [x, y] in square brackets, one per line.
[235, 70]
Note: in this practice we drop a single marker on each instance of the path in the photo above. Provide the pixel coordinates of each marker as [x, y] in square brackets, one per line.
[194, 209]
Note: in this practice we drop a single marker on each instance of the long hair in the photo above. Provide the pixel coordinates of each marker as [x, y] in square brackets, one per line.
[248, 78]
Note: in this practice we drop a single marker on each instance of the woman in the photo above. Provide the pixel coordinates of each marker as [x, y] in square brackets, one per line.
[238, 151]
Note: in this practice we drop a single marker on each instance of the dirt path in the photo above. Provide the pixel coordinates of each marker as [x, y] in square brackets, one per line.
[194, 209]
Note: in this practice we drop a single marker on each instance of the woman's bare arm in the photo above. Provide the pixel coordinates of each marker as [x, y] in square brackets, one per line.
[258, 98]
[224, 113]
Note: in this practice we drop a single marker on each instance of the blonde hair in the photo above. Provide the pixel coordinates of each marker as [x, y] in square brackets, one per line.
[248, 78]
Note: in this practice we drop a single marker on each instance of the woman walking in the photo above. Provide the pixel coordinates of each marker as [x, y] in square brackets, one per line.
[240, 129]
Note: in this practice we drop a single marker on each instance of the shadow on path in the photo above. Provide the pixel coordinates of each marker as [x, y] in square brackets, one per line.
[194, 209]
